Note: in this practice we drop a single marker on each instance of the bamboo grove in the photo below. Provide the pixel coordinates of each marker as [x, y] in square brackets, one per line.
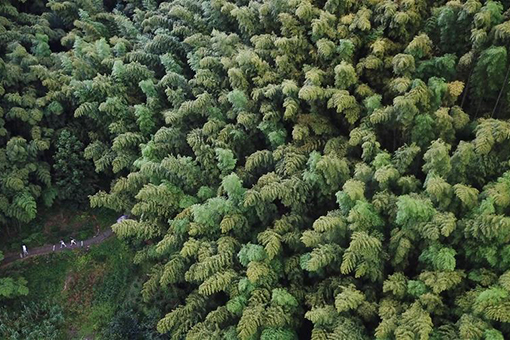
[325, 169]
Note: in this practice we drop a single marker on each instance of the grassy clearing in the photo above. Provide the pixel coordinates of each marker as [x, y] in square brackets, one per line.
[87, 286]
[80, 294]
[100, 281]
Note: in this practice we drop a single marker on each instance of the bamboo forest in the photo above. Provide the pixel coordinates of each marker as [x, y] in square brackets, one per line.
[254, 169]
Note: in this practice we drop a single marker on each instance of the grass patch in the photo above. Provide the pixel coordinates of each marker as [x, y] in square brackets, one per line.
[89, 286]
[100, 283]
[45, 275]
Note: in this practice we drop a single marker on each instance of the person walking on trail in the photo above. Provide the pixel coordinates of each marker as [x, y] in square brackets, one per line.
[25, 251]
[73, 242]
[122, 218]
[62, 244]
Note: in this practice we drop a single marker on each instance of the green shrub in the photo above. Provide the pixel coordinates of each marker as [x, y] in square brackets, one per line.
[35, 321]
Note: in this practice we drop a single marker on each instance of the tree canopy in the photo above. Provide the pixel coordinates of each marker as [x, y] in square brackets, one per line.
[291, 168]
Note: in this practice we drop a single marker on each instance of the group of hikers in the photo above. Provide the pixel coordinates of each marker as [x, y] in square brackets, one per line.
[24, 250]
[63, 244]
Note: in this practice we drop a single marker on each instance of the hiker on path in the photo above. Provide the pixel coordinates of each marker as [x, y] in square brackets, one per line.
[73, 242]
[52, 249]
[122, 218]
[25, 251]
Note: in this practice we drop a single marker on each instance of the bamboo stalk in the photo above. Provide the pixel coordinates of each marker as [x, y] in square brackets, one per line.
[501, 91]
[466, 88]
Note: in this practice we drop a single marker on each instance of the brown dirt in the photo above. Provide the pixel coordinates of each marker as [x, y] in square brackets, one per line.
[80, 288]
[73, 334]
[67, 282]
[58, 219]
[62, 219]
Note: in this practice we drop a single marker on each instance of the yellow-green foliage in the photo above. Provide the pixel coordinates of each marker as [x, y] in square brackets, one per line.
[344, 162]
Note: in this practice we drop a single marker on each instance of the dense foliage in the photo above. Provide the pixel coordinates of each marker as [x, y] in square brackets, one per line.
[73, 173]
[292, 168]
[34, 322]
[26, 112]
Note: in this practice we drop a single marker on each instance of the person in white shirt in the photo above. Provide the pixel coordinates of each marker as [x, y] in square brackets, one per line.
[62, 244]
[122, 218]
[25, 251]
[73, 242]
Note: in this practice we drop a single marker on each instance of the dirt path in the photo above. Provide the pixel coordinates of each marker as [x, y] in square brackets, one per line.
[48, 248]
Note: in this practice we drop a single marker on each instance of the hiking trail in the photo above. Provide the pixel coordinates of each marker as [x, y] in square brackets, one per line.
[48, 248]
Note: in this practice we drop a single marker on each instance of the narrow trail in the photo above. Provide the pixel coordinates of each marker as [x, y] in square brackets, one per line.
[48, 248]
